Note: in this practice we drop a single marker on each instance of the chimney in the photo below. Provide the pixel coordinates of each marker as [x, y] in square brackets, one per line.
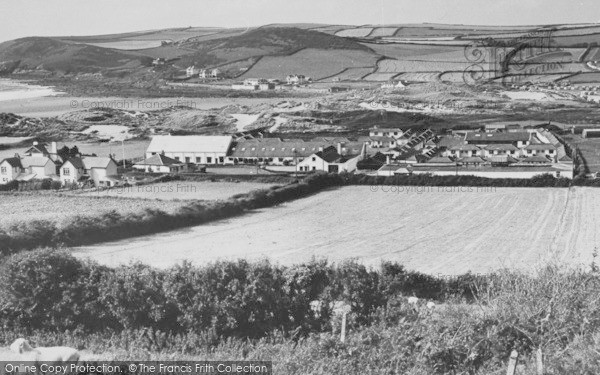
[35, 143]
[388, 159]
[53, 148]
[339, 148]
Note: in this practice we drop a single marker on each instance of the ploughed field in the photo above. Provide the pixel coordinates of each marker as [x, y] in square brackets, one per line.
[445, 230]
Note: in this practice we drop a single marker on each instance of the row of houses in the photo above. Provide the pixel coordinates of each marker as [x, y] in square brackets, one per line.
[192, 71]
[40, 162]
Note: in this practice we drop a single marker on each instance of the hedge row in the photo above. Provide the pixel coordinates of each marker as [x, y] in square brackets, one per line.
[52, 290]
[111, 226]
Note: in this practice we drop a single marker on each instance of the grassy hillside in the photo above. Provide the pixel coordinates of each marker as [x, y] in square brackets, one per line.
[56, 55]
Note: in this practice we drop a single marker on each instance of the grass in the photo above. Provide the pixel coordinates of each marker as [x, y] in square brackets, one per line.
[556, 311]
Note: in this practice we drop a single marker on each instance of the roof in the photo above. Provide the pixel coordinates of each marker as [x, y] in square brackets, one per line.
[398, 130]
[497, 137]
[449, 141]
[440, 159]
[544, 146]
[535, 159]
[502, 147]
[382, 138]
[35, 161]
[464, 147]
[472, 160]
[502, 159]
[90, 162]
[190, 143]
[389, 168]
[40, 147]
[159, 159]
[76, 162]
[14, 162]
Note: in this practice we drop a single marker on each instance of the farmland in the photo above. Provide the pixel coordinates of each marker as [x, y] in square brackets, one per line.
[58, 207]
[478, 231]
[311, 62]
[589, 147]
[182, 190]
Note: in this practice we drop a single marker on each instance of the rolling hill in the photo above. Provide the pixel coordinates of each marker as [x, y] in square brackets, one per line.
[325, 52]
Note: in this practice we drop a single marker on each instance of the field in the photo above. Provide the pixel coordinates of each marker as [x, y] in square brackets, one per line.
[470, 231]
[311, 62]
[182, 190]
[129, 44]
[590, 149]
[57, 207]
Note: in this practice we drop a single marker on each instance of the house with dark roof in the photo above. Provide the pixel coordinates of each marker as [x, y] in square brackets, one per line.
[10, 168]
[331, 160]
[101, 171]
[160, 163]
[519, 139]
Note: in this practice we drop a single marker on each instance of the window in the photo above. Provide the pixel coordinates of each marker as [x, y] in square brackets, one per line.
[177, 158]
[529, 151]
[3, 170]
[66, 172]
[187, 159]
[314, 159]
[551, 151]
[208, 159]
[221, 159]
[198, 159]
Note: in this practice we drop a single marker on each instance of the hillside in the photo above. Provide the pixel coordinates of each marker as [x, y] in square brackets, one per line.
[413, 53]
[56, 55]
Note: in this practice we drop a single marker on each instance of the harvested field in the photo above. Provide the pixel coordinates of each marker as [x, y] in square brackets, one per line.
[402, 51]
[58, 207]
[129, 44]
[182, 190]
[314, 63]
[590, 149]
[438, 231]
[359, 32]
[353, 73]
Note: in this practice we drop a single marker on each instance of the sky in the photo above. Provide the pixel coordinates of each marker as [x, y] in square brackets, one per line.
[20, 18]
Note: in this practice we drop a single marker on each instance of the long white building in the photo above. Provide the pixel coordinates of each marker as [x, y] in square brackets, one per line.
[197, 149]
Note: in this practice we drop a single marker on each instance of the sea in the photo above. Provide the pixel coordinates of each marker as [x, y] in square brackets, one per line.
[14, 90]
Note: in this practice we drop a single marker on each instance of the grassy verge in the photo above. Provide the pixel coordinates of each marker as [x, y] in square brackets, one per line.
[236, 310]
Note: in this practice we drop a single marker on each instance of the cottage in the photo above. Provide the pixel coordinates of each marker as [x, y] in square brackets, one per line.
[192, 71]
[10, 168]
[102, 171]
[196, 149]
[389, 170]
[330, 160]
[160, 163]
[386, 132]
[297, 79]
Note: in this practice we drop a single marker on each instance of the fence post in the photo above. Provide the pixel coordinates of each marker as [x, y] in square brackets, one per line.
[539, 361]
[512, 363]
[343, 333]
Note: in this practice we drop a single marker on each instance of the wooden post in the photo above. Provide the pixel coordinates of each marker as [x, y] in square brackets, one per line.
[512, 363]
[539, 361]
[343, 333]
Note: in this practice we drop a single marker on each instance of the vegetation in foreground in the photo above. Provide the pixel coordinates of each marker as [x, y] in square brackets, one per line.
[258, 311]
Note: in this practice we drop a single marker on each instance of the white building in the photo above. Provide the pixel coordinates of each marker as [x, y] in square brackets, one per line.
[330, 160]
[10, 168]
[297, 79]
[192, 71]
[196, 149]
[160, 164]
[27, 168]
[102, 171]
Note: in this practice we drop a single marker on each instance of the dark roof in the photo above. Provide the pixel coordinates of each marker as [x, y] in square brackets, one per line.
[464, 147]
[14, 162]
[535, 159]
[545, 146]
[440, 159]
[502, 159]
[41, 148]
[76, 162]
[497, 137]
[159, 159]
[472, 160]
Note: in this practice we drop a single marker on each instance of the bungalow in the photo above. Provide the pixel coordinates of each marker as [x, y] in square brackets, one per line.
[160, 163]
[462, 151]
[330, 160]
[519, 139]
[500, 149]
[540, 149]
[209, 73]
[102, 171]
[386, 132]
[197, 149]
